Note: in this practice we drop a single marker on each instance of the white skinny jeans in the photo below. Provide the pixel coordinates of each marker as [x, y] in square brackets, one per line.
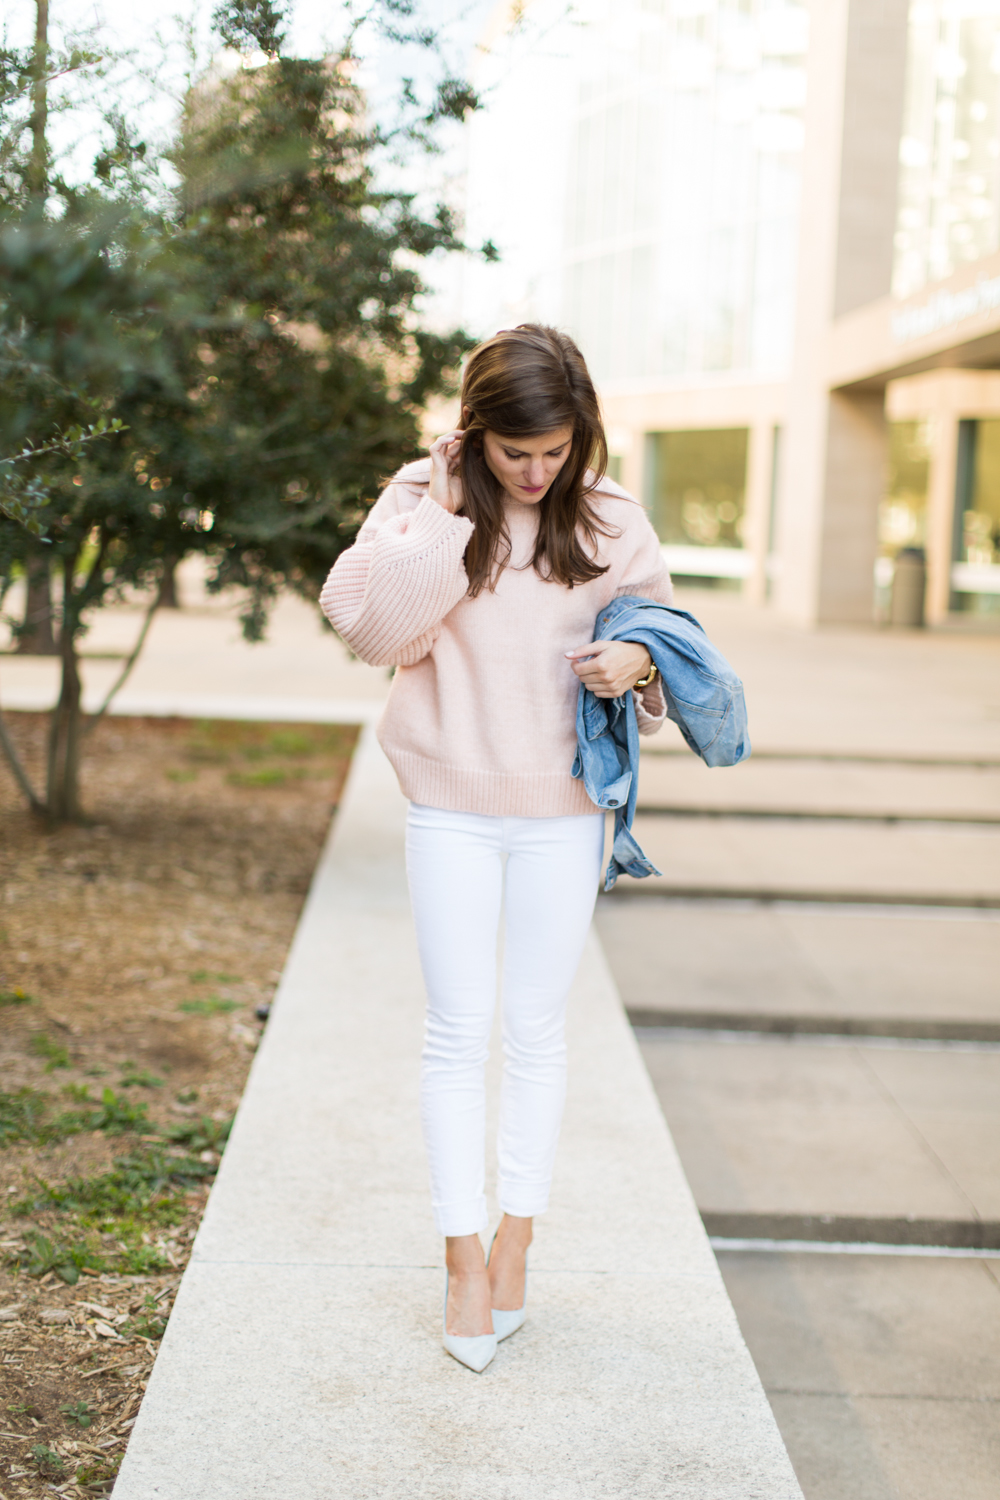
[454, 861]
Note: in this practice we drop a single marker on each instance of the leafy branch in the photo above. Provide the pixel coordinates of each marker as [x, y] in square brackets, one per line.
[23, 497]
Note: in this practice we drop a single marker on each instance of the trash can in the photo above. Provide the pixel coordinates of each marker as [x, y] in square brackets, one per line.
[909, 583]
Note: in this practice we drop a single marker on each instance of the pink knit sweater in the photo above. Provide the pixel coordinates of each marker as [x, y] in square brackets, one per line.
[481, 714]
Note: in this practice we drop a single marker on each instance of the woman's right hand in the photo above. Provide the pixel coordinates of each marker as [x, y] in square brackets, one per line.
[446, 482]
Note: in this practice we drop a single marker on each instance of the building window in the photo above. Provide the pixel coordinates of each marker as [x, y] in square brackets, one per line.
[902, 517]
[696, 482]
[975, 573]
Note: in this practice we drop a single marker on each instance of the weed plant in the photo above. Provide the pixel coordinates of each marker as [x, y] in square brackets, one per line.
[15, 997]
[78, 1412]
[50, 1465]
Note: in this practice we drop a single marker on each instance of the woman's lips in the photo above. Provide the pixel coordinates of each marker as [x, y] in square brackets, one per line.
[531, 489]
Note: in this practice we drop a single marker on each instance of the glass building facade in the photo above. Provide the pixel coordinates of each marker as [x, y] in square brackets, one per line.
[682, 210]
[643, 168]
[659, 146]
[949, 179]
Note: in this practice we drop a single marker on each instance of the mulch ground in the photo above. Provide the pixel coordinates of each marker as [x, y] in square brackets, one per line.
[135, 952]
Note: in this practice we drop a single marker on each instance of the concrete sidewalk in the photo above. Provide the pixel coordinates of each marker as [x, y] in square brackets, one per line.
[303, 1357]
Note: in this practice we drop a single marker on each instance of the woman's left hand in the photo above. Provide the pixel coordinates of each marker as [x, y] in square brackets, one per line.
[612, 668]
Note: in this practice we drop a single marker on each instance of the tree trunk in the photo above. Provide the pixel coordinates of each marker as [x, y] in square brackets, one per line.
[63, 790]
[38, 161]
[62, 794]
[168, 598]
[37, 637]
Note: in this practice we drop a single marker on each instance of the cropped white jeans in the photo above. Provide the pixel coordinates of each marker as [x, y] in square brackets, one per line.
[455, 864]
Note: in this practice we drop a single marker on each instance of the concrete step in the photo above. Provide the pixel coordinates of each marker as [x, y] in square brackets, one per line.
[881, 1370]
[914, 863]
[303, 1357]
[826, 965]
[768, 1127]
[825, 788]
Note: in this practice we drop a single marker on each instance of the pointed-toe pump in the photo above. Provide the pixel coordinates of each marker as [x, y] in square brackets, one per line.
[507, 1321]
[476, 1352]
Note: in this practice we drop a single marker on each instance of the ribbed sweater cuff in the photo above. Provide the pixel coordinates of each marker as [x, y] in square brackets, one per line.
[429, 523]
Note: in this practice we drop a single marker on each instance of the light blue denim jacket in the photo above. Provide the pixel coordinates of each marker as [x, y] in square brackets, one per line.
[704, 699]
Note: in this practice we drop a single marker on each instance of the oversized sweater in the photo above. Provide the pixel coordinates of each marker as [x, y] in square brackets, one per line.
[481, 715]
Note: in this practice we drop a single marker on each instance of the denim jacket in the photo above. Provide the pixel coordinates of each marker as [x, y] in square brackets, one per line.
[704, 699]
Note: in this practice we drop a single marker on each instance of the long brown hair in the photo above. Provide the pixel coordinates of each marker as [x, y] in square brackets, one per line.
[522, 382]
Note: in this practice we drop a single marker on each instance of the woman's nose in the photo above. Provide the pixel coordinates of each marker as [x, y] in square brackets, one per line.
[536, 473]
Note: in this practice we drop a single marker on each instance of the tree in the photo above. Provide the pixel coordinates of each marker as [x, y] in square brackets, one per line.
[256, 344]
[313, 391]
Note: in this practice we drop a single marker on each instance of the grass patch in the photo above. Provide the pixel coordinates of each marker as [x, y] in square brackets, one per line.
[150, 1323]
[144, 1191]
[138, 1184]
[111, 1113]
[97, 1471]
[215, 1005]
[206, 976]
[179, 774]
[220, 741]
[40, 1044]
[23, 1117]
[28, 1115]
[133, 1077]
[42, 1256]
[201, 1135]
[267, 776]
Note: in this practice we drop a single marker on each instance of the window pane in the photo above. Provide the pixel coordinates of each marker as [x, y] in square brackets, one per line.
[981, 523]
[698, 484]
[902, 517]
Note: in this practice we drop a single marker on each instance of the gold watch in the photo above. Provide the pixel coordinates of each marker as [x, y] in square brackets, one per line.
[649, 677]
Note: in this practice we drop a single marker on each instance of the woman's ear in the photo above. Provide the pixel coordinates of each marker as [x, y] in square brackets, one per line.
[466, 416]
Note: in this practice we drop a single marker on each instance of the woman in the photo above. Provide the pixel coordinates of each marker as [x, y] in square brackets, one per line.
[479, 574]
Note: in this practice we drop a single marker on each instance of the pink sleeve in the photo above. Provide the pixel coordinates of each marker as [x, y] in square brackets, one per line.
[387, 595]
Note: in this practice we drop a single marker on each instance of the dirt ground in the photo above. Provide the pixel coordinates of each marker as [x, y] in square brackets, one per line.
[135, 952]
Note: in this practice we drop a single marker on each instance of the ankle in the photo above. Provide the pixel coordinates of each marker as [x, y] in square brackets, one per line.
[464, 1257]
[515, 1233]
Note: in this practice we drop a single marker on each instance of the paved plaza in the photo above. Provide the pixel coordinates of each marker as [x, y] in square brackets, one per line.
[812, 982]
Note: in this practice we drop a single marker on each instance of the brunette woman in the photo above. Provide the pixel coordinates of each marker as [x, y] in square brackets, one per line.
[479, 575]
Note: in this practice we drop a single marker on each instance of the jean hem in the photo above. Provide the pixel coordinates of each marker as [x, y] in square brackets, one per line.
[456, 1220]
[523, 1208]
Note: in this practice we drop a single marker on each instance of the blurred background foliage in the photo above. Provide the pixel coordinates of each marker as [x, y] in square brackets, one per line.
[231, 371]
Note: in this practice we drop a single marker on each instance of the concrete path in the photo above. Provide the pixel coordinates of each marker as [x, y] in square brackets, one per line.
[303, 1357]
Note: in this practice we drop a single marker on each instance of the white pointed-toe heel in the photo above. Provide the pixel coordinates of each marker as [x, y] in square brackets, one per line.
[506, 1321]
[476, 1352]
